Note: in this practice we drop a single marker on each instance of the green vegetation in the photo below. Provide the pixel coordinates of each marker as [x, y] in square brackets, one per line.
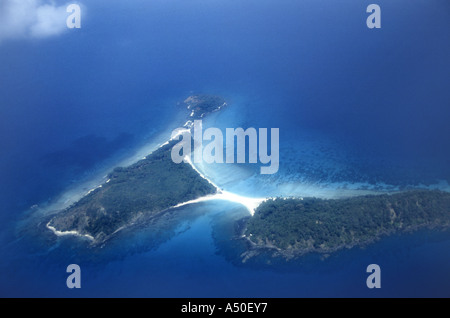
[143, 189]
[299, 226]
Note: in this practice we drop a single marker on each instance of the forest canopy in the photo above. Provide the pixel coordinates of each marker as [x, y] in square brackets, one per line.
[143, 189]
[319, 225]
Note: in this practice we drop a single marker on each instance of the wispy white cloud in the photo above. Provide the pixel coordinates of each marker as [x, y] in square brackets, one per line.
[21, 19]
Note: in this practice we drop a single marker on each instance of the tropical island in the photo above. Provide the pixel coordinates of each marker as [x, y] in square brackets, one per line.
[293, 227]
[143, 190]
[287, 227]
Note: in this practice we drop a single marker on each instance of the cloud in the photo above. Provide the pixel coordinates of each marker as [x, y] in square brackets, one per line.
[22, 19]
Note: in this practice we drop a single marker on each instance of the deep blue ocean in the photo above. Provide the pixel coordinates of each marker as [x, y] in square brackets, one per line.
[358, 110]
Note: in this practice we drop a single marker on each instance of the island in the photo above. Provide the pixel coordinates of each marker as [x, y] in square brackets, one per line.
[290, 227]
[201, 105]
[143, 190]
[286, 227]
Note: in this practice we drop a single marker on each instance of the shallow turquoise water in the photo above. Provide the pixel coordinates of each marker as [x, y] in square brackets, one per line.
[356, 110]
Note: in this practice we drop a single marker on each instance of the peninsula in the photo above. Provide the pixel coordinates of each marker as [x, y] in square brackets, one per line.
[145, 189]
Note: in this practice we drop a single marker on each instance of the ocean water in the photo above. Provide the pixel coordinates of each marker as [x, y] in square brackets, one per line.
[359, 111]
